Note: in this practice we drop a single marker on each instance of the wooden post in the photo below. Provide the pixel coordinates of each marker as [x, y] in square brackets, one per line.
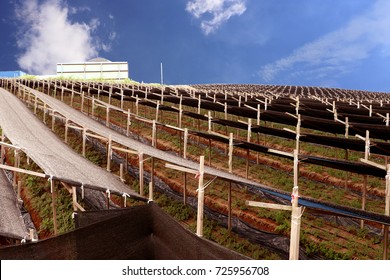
[16, 164]
[295, 214]
[54, 205]
[249, 135]
[150, 191]
[66, 130]
[53, 120]
[180, 111]
[128, 122]
[230, 152]
[387, 212]
[71, 99]
[82, 101]
[93, 106]
[185, 143]
[141, 173]
[19, 193]
[364, 191]
[199, 224]
[122, 98]
[157, 110]
[84, 140]
[154, 134]
[108, 116]
[2, 156]
[230, 207]
[74, 198]
[121, 172]
[62, 94]
[185, 189]
[44, 113]
[109, 153]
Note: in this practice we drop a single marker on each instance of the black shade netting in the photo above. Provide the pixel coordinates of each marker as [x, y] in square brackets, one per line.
[140, 232]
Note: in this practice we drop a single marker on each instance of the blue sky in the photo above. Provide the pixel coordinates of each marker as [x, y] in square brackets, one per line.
[329, 43]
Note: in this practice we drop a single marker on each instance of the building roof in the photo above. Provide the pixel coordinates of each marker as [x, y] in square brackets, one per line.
[99, 59]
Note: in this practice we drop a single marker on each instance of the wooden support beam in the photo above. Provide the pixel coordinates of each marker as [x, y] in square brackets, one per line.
[230, 163]
[128, 122]
[25, 171]
[181, 168]
[269, 205]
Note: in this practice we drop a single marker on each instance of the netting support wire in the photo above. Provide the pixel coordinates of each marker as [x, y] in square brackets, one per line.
[207, 184]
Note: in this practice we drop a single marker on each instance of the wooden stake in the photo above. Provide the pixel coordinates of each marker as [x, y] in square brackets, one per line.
[150, 191]
[185, 189]
[128, 122]
[295, 214]
[19, 196]
[2, 156]
[107, 116]
[54, 205]
[185, 143]
[66, 129]
[109, 153]
[141, 173]
[231, 152]
[84, 140]
[199, 224]
[230, 207]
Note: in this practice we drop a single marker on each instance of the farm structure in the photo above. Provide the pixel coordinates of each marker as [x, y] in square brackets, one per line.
[98, 68]
[228, 123]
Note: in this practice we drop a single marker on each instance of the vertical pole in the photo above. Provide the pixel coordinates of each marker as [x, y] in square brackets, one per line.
[93, 106]
[199, 224]
[108, 116]
[249, 135]
[230, 207]
[62, 94]
[109, 153]
[387, 213]
[84, 140]
[364, 191]
[185, 143]
[150, 191]
[121, 172]
[74, 198]
[71, 99]
[295, 215]
[82, 101]
[2, 156]
[230, 152]
[141, 173]
[66, 130]
[54, 205]
[180, 111]
[44, 113]
[53, 120]
[19, 196]
[128, 122]
[122, 98]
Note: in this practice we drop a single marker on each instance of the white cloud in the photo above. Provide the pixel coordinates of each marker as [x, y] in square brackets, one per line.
[219, 10]
[340, 51]
[48, 36]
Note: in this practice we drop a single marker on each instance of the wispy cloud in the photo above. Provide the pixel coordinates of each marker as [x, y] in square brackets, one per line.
[47, 36]
[220, 12]
[340, 51]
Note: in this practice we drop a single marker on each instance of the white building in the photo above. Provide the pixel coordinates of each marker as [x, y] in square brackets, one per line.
[97, 68]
